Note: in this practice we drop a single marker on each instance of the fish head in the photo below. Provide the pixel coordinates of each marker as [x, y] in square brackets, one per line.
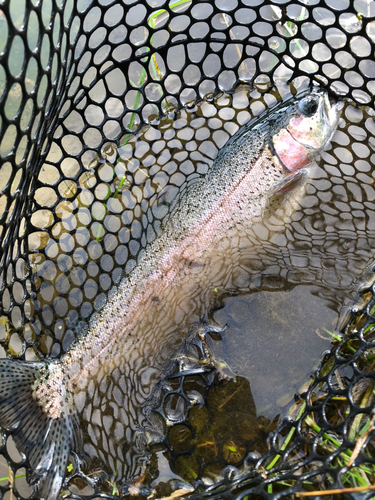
[310, 123]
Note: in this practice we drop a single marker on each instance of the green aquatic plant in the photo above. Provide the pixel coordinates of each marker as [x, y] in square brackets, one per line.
[15, 477]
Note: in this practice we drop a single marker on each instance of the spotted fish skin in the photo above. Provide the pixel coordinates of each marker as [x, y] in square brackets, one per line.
[133, 336]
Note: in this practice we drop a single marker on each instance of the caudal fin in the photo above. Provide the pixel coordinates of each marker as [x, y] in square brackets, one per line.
[45, 441]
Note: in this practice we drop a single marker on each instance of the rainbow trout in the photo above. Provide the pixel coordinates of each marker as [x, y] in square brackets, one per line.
[128, 344]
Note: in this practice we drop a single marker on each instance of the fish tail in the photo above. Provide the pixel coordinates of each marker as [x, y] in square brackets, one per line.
[45, 440]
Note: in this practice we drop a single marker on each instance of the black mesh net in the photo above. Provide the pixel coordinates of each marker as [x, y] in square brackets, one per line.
[107, 111]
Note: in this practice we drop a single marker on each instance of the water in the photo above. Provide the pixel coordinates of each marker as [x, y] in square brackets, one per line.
[300, 272]
[274, 340]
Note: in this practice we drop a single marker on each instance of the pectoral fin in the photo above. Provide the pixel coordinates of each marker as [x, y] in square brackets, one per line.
[290, 182]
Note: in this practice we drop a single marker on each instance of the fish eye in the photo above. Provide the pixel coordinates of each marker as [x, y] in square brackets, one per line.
[308, 106]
